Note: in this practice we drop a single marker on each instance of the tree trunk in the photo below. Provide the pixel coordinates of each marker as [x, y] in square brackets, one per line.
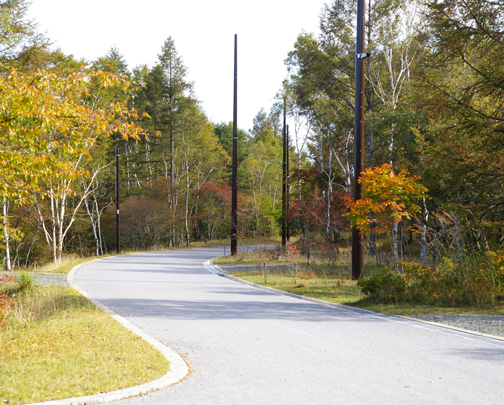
[395, 250]
[186, 213]
[6, 235]
[329, 195]
[92, 221]
[423, 232]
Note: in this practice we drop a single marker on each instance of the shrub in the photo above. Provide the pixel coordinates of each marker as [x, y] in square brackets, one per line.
[25, 280]
[474, 279]
[384, 286]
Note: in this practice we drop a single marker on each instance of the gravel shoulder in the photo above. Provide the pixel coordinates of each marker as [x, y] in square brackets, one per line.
[488, 324]
[43, 278]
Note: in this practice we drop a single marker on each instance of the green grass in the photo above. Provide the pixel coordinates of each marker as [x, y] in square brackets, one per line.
[56, 344]
[331, 289]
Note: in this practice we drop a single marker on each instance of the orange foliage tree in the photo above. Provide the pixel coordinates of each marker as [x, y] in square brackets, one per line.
[389, 196]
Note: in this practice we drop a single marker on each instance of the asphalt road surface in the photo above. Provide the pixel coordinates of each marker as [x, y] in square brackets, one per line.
[247, 346]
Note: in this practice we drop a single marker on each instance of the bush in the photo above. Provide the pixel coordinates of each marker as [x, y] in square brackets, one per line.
[474, 279]
[384, 286]
[25, 280]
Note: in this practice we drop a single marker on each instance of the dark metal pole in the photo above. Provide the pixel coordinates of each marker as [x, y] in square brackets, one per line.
[118, 231]
[284, 176]
[234, 186]
[288, 183]
[357, 237]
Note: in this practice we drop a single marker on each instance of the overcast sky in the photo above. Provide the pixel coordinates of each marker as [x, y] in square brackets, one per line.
[203, 32]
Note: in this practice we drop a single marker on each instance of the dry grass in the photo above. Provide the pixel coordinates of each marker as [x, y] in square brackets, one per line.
[62, 267]
[253, 257]
[331, 289]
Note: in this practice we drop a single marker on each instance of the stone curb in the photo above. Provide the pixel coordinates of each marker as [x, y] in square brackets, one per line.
[177, 372]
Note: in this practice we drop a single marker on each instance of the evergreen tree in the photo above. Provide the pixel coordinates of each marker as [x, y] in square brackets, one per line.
[21, 45]
[461, 91]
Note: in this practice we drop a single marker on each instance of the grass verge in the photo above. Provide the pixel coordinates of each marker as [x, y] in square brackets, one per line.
[66, 264]
[56, 344]
[343, 291]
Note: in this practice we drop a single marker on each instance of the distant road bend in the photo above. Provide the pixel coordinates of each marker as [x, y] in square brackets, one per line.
[248, 346]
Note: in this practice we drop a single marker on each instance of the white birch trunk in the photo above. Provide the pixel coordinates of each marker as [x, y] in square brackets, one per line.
[6, 234]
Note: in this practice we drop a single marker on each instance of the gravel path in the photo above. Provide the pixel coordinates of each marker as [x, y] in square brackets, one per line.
[43, 278]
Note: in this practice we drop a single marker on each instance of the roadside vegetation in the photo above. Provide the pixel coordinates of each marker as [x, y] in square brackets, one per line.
[55, 344]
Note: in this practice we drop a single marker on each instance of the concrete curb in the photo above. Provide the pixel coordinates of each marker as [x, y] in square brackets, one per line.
[215, 269]
[178, 367]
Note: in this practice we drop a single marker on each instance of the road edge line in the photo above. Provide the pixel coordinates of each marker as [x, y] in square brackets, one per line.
[215, 269]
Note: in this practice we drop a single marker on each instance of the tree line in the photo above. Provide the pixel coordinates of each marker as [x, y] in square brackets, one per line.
[434, 121]
[433, 107]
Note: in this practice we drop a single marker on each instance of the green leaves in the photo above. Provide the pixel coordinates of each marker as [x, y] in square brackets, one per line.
[462, 92]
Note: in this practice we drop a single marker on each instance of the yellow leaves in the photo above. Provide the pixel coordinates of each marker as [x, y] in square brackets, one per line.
[48, 121]
[388, 197]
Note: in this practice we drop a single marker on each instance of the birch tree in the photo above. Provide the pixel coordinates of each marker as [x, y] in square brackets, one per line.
[48, 124]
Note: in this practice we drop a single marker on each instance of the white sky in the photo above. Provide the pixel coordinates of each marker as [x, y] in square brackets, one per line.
[203, 32]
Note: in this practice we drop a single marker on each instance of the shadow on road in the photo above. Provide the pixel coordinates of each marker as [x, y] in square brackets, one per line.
[232, 309]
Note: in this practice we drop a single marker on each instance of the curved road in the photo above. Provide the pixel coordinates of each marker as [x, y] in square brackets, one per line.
[248, 346]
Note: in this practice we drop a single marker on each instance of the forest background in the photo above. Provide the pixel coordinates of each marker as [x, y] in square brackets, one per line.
[434, 121]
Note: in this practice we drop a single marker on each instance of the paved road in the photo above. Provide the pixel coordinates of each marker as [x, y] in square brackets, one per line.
[248, 346]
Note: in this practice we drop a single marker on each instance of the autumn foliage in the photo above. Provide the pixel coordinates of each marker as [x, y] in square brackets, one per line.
[48, 121]
[315, 211]
[388, 196]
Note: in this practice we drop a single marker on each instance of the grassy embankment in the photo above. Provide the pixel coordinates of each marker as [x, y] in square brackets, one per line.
[55, 344]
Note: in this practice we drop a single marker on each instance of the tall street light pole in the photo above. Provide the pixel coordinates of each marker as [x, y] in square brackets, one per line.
[234, 185]
[357, 237]
[118, 231]
[284, 176]
[287, 203]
